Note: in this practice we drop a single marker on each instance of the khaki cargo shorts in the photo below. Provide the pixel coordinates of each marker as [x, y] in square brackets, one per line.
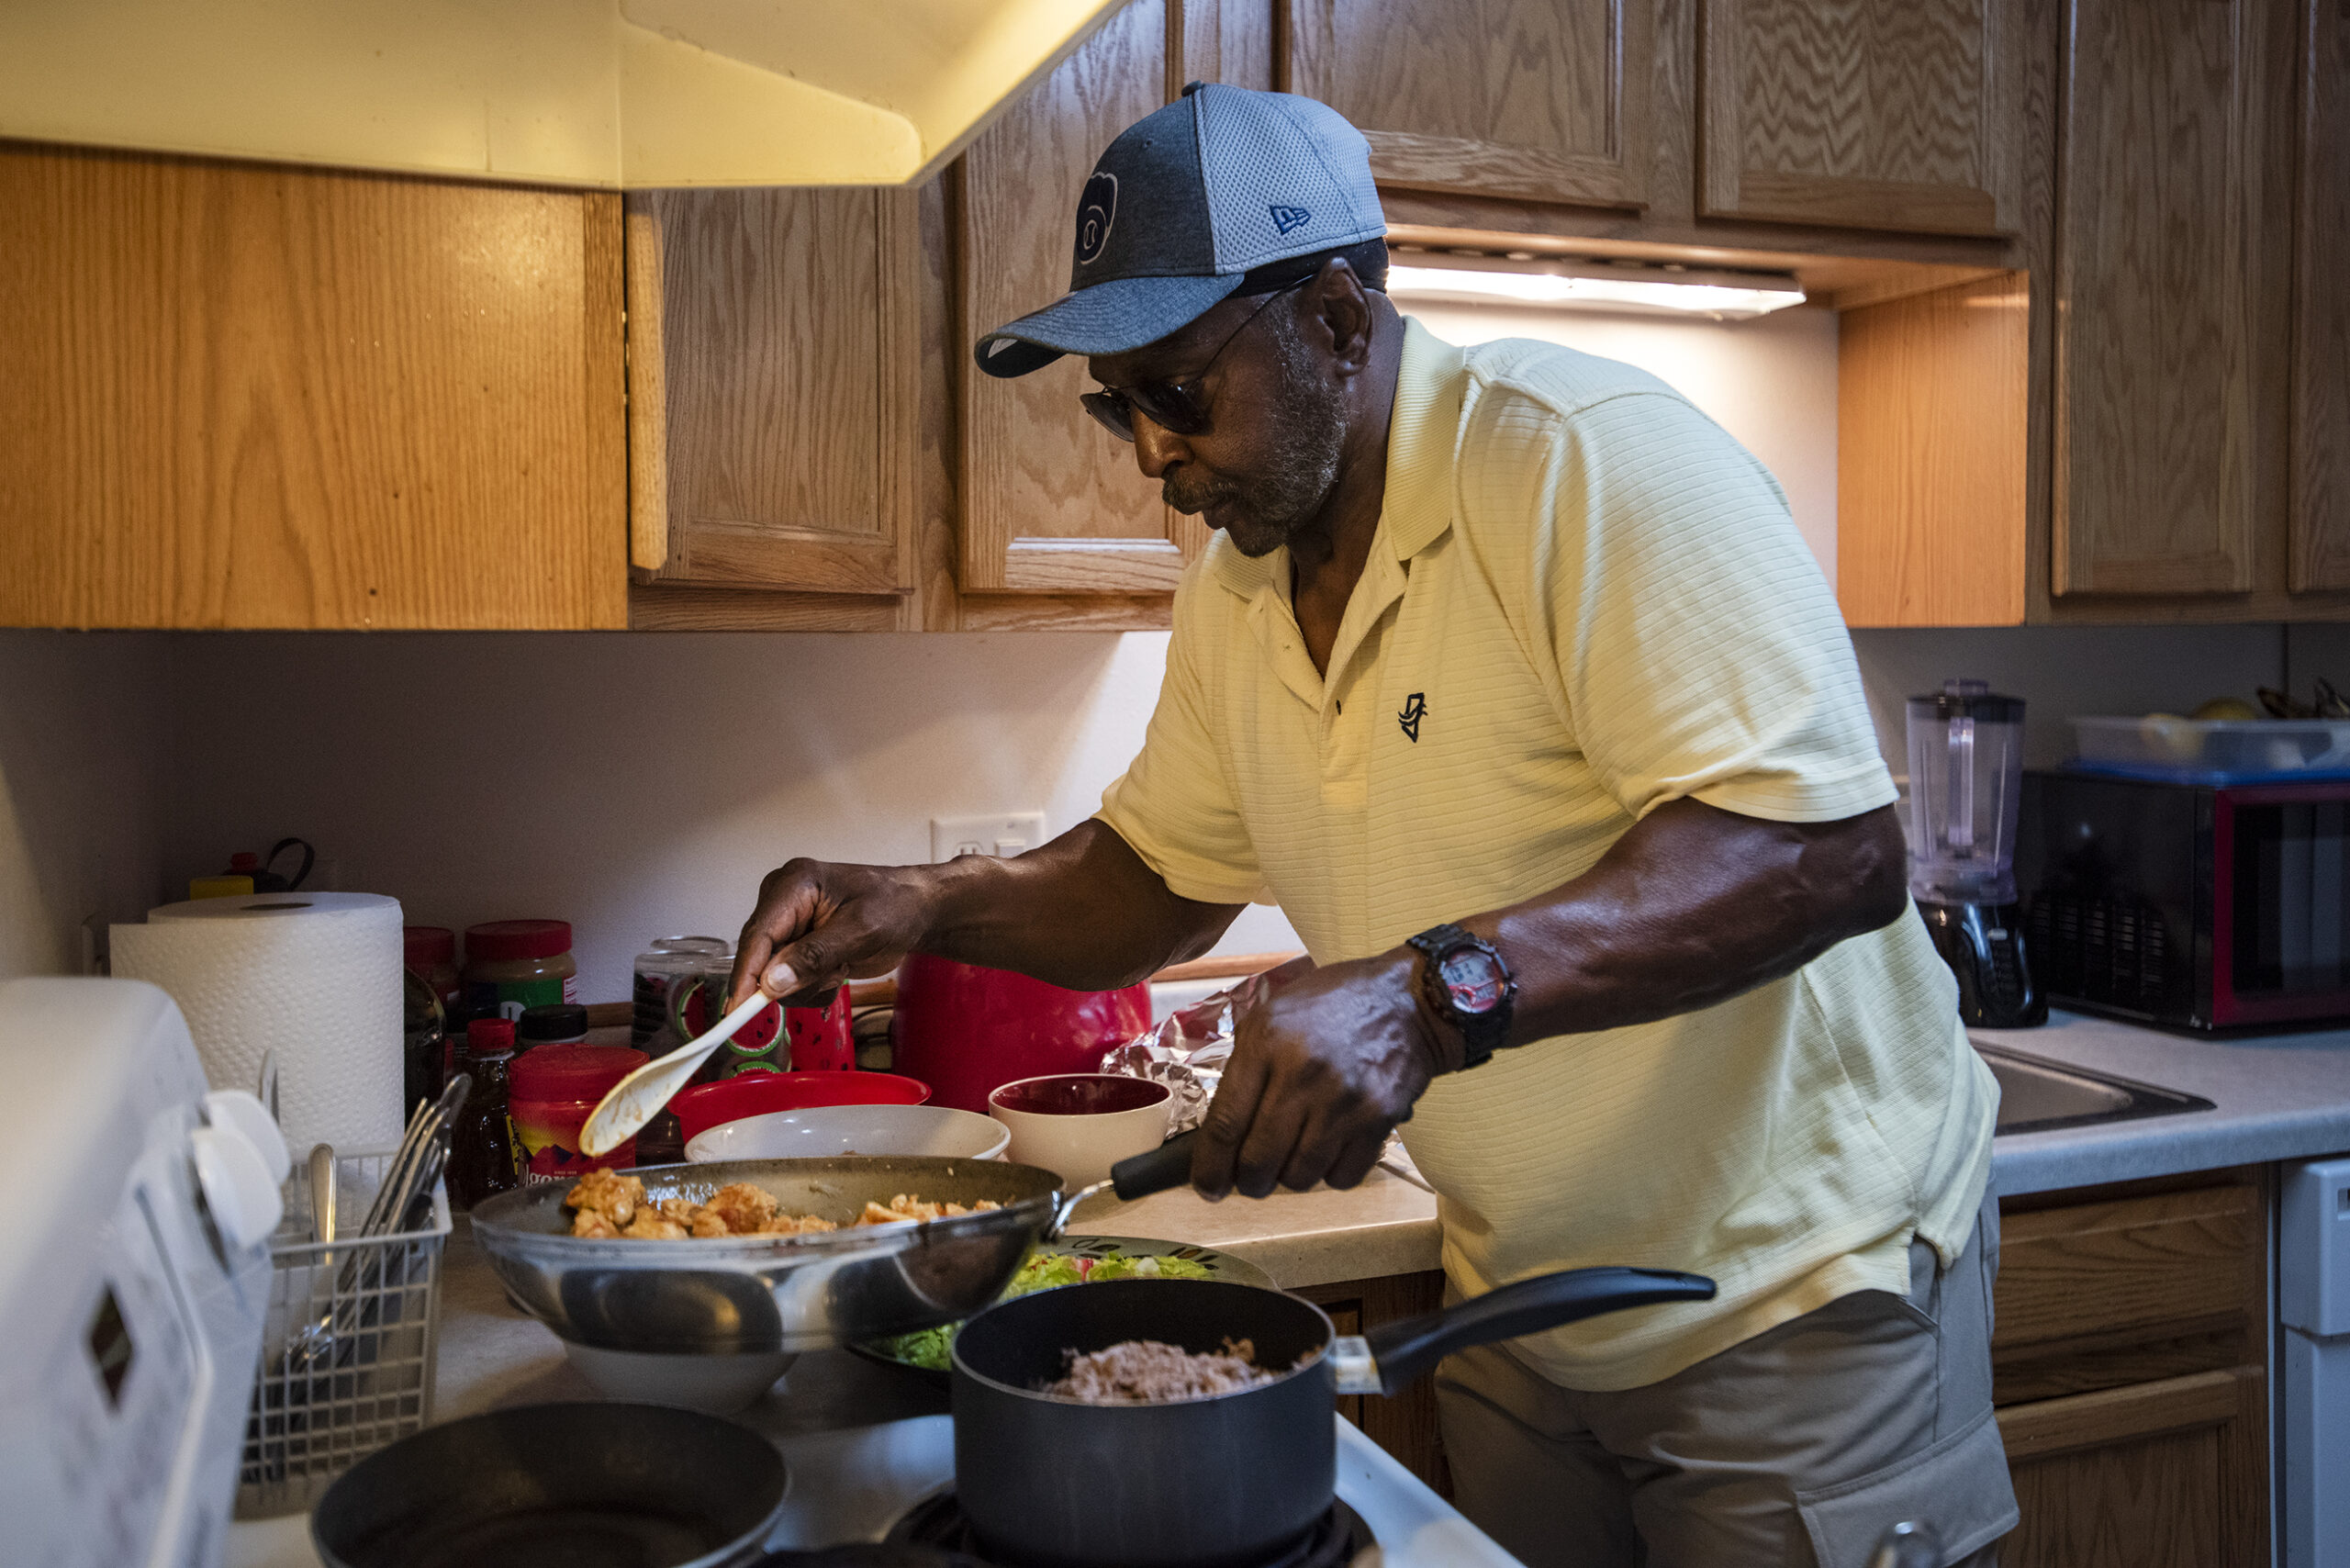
[1796, 1449]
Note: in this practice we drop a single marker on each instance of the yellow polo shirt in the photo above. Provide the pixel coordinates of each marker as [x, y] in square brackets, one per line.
[1584, 599]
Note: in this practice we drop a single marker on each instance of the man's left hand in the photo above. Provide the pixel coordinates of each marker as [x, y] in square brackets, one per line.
[1325, 1063]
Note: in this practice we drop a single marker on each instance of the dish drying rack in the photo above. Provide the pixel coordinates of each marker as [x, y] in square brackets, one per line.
[348, 1347]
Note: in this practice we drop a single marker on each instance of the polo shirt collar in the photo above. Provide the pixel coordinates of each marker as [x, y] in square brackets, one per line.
[1421, 437]
[1421, 434]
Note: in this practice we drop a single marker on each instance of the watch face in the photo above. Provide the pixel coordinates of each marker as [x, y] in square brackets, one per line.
[1473, 979]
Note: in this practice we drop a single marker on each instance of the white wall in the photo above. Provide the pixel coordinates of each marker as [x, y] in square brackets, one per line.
[81, 749]
[639, 785]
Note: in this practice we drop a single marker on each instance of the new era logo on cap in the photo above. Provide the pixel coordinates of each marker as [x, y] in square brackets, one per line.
[1183, 206]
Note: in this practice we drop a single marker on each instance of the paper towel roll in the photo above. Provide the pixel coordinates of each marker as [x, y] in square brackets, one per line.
[314, 977]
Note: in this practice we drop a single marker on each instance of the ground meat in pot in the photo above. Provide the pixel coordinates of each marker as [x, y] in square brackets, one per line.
[1146, 1372]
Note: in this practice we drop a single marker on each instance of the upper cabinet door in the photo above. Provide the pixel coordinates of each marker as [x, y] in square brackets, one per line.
[1052, 502]
[2321, 503]
[2158, 265]
[240, 397]
[1536, 100]
[1864, 114]
[775, 388]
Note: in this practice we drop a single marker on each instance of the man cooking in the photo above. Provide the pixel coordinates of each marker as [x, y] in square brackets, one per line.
[1508, 676]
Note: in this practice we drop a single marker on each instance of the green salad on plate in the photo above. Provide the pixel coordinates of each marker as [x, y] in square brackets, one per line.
[926, 1347]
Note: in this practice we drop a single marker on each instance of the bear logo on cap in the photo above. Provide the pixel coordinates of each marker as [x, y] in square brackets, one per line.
[1096, 211]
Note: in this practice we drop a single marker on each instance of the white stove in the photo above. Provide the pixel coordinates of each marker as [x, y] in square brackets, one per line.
[853, 1484]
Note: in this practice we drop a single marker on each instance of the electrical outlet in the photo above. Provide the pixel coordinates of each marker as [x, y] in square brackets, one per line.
[1005, 834]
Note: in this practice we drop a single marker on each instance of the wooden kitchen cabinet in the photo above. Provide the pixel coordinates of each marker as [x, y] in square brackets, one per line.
[1405, 1424]
[1050, 501]
[2166, 344]
[1863, 114]
[234, 396]
[2320, 516]
[1530, 100]
[775, 392]
[2128, 1363]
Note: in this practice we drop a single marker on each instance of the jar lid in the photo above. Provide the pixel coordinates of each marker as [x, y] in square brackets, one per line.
[552, 1021]
[503, 939]
[666, 944]
[573, 1073]
[428, 945]
[489, 1037]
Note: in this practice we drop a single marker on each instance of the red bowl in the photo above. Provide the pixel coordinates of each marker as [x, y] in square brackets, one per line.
[1080, 1094]
[709, 1106]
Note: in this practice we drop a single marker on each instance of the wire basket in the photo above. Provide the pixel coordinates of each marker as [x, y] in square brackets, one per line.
[347, 1346]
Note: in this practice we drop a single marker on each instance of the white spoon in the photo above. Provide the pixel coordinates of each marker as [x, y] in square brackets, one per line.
[621, 1114]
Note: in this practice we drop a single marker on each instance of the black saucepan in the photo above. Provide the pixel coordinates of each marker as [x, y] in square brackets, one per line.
[1200, 1483]
[558, 1487]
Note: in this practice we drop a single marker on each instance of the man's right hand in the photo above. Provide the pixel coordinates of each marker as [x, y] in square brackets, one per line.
[818, 924]
[1081, 911]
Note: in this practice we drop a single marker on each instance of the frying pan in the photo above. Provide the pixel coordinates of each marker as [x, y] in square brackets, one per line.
[1227, 1480]
[558, 1487]
[737, 1294]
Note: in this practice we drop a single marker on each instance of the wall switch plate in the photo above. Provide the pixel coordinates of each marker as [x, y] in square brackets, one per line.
[1003, 835]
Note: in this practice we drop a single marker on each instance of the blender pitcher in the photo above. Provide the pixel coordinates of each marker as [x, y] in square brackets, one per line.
[1966, 777]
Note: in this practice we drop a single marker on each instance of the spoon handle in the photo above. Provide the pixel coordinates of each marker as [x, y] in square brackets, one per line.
[632, 1102]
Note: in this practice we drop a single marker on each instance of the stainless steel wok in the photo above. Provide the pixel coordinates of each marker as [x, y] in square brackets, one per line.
[781, 1293]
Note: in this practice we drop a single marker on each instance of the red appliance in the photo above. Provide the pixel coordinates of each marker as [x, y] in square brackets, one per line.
[2192, 906]
[967, 1031]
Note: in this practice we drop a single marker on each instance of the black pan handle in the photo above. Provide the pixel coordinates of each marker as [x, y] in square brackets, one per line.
[1403, 1351]
[1162, 1170]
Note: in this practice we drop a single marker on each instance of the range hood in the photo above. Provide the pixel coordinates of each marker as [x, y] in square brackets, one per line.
[615, 94]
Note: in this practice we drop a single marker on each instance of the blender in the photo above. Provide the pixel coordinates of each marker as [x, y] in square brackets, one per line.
[1965, 777]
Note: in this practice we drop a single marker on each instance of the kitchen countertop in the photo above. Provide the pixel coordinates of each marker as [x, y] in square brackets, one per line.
[2276, 1097]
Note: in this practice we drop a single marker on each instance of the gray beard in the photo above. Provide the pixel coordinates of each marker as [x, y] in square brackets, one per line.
[1309, 428]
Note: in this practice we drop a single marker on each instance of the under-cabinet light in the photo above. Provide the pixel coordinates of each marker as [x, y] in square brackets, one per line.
[1596, 286]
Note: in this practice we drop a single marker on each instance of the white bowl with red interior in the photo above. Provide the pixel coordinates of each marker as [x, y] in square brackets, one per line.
[1077, 1124]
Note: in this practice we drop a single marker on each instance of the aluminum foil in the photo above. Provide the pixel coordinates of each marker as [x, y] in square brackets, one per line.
[1187, 1049]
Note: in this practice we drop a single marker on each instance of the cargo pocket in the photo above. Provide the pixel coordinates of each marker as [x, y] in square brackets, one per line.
[1959, 1487]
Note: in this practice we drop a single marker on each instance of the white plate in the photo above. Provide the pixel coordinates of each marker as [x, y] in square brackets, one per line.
[820, 1132]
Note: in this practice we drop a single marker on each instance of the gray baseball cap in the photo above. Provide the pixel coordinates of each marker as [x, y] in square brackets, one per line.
[1187, 202]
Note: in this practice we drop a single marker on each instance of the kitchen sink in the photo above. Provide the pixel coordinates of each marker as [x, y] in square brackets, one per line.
[2037, 1095]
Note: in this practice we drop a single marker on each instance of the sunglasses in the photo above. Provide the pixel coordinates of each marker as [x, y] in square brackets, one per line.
[1172, 405]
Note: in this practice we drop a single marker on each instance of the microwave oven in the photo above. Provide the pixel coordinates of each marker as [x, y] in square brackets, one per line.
[2207, 907]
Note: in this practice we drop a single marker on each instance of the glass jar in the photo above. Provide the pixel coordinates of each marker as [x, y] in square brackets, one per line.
[660, 968]
[430, 953]
[482, 1160]
[511, 965]
[556, 1089]
[557, 1024]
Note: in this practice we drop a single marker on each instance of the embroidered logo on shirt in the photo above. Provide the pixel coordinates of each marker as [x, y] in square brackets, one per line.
[1416, 708]
[1287, 217]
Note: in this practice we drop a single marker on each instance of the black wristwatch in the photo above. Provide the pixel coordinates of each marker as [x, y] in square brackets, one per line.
[1467, 985]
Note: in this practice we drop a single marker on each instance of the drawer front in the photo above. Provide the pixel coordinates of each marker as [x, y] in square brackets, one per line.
[2134, 1268]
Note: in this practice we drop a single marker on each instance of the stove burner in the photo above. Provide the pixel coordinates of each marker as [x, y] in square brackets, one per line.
[1335, 1541]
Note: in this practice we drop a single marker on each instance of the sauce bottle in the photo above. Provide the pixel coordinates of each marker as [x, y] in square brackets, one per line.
[482, 1159]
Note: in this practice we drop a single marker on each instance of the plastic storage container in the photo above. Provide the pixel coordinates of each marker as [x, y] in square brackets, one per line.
[2214, 751]
[554, 1089]
[511, 965]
